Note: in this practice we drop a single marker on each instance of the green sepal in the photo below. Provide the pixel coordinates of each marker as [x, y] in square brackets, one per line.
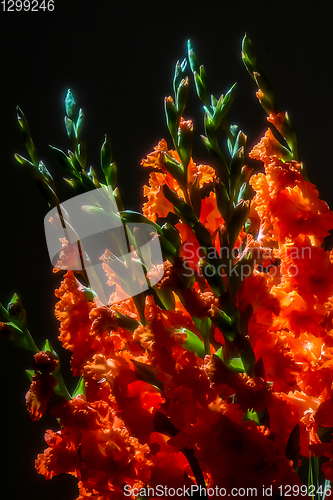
[205, 330]
[293, 446]
[30, 374]
[21, 338]
[171, 118]
[129, 216]
[109, 168]
[248, 55]
[75, 184]
[126, 322]
[219, 353]
[185, 137]
[237, 219]
[172, 234]
[193, 343]
[195, 197]
[79, 123]
[26, 136]
[211, 276]
[240, 141]
[116, 194]
[82, 153]
[64, 160]
[70, 129]
[26, 163]
[266, 105]
[168, 250]
[223, 106]
[218, 158]
[47, 347]
[192, 58]
[146, 373]
[223, 322]
[174, 167]
[80, 388]
[202, 234]
[288, 133]
[86, 181]
[88, 293]
[22, 122]
[92, 175]
[234, 129]
[248, 357]
[200, 88]
[237, 364]
[203, 76]
[236, 164]
[181, 96]
[70, 106]
[16, 311]
[237, 275]
[265, 87]
[179, 74]
[75, 162]
[252, 415]
[182, 209]
[222, 198]
[166, 297]
[211, 131]
[46, 175]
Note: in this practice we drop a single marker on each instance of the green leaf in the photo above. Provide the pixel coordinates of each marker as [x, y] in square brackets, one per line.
[80, 388]
[193, 343]
[237, 363]
[30, 374]
[109, 168]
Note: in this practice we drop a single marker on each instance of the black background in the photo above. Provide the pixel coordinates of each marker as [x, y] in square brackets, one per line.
[118, 60]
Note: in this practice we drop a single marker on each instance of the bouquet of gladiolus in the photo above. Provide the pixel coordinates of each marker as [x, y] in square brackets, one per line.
[202, 331]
